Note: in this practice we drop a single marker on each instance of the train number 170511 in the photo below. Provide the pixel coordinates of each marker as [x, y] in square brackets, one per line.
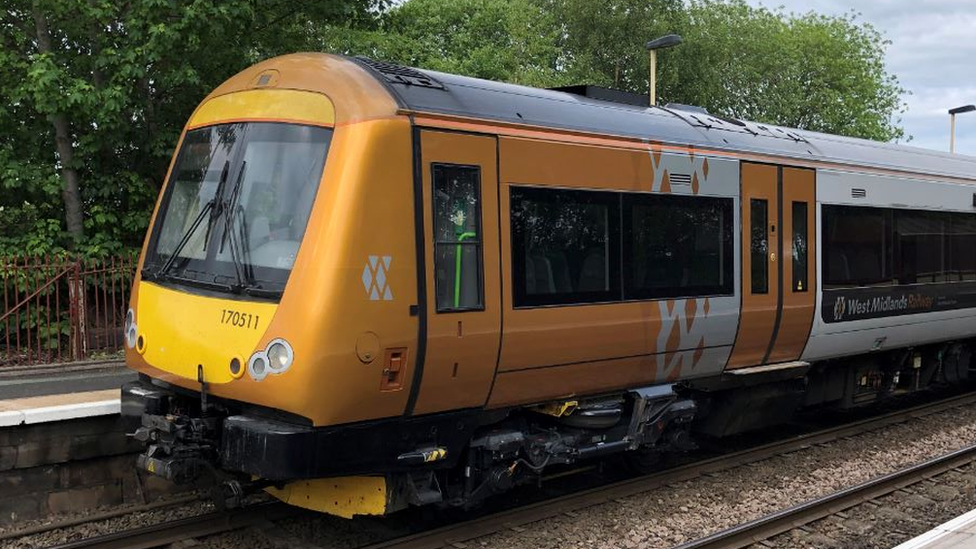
[239, 319]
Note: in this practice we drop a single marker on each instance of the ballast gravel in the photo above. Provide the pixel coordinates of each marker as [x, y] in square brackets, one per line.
[115, 524]
[890, 520]
[696, 508]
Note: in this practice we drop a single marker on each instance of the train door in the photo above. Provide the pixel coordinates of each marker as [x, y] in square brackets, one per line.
[459, 187]
[778, 266]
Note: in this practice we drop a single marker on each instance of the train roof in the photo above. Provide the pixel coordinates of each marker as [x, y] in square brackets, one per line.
[449, 94]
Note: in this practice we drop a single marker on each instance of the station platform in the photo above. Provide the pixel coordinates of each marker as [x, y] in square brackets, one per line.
[63, 444]
[958, 533]
[31, 395]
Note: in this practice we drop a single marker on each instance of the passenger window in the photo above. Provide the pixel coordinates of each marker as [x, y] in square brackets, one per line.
[759, 214]
[920, 241]
[856, 246]
[676, 246]
[799, 246]
[457, 238]
[962, 247]
[565, 246]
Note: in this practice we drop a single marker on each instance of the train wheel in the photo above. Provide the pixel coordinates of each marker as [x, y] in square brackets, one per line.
[643, 461]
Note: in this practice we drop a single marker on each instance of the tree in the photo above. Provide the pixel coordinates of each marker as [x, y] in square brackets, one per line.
[510, 40]
[815, 72]
[99, 91]
[808, 71]
[602, 43]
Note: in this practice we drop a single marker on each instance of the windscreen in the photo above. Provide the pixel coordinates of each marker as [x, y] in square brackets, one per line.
[237, 206]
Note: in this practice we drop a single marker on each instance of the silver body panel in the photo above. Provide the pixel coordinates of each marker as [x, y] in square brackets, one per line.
[832, 340]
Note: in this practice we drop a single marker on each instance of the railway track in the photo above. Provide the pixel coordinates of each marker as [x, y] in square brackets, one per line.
[207, 524]
[766, 527]
[455, 535]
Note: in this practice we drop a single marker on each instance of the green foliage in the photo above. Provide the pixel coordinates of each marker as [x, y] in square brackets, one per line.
[809, 71]
[603, 42]
[125, 76]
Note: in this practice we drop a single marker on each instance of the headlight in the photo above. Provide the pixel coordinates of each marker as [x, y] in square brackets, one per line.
[236, 368]
[279, 356]
[275, 359]
[130, 330]
[257, 366]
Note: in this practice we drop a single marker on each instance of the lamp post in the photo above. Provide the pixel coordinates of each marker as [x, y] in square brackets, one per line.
[667, 41]
[952, 123]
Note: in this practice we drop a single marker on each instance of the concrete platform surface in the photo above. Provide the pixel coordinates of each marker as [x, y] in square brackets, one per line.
[55, 379]
[47, 408]
[958, 533]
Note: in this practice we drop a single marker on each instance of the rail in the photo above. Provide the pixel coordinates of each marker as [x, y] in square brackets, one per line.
[777, 523]
[174, 531]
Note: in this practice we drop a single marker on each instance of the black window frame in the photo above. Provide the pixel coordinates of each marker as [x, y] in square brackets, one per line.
[725, 204]
[523, 300]
[886, 278]
[754, 252]
[478, 243]
[901, 275]
[619, 213]
[801, 272]
[953, 270]
[893, 254]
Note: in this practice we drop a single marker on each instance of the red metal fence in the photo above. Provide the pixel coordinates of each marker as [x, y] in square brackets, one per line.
[58, 308]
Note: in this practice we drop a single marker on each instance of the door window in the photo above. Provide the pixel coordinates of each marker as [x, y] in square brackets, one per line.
[759, 214]
[800, 247]
[457, 238]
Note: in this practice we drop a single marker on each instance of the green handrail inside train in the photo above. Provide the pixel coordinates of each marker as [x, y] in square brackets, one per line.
[457, 270]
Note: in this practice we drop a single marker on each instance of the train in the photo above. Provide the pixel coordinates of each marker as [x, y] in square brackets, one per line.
[367, 287]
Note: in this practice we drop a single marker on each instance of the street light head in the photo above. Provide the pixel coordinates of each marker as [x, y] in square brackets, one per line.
[666, 41]
[963, 109]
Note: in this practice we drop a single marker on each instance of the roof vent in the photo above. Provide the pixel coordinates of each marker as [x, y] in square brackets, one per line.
[859, 193]
[398, 74]
[686, 108]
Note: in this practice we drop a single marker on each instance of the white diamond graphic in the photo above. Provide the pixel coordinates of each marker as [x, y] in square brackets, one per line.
[387, 294]
[381, 277]
[374, 295]
[367, 278]
[386, 260]
[373, 260]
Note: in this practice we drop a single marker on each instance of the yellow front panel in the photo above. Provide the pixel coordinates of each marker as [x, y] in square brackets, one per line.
[183, 330]
[278, 105]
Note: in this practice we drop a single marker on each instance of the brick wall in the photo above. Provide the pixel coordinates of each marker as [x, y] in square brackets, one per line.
[68, 466]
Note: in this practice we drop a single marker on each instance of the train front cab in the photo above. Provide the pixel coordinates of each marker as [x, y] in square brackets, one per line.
[199, 334]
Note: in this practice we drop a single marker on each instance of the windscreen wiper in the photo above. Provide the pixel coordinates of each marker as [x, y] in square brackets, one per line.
[240, 270]
[183, 241]
[207, 284]
[259, 291]
[207, 208]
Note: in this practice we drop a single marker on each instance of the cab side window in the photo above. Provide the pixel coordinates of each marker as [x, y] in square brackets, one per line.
[458, 280]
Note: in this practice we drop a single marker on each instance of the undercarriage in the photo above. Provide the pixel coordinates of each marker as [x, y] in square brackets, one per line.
[458, 459]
